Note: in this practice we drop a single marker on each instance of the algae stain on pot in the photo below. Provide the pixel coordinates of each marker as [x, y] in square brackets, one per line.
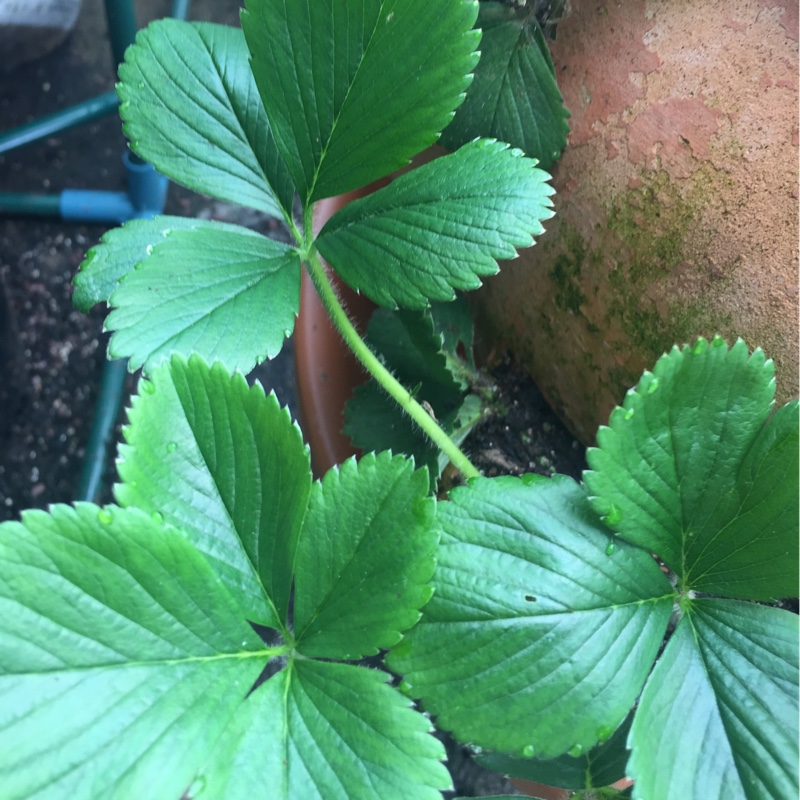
[676, 204]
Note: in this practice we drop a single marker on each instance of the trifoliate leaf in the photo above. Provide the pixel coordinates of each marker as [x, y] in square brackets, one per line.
[514, 96]
[325, 731]
[118, 253]
[225, 464]
[122, 658]
[191, 108]
[535, 608]
[221, 291]
[691, 469]
[365, 558]
[354, 90]
[718, 717]
[439, 227]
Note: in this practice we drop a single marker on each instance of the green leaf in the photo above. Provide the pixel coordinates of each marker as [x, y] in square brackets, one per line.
[190, 107]
[453, 322]
[603, 765]
[122, 657]
[689, 469]
[439, 227]
[225, 464]
[354, 90]
[514, 96]
[718, 717]
[336, 732]
[199, 291]
[411, 348]
[118, 253]
[535, 608]
[365, 558]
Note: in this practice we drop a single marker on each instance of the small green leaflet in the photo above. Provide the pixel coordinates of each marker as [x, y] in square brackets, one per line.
[533, 610]
[191, 108]
[354, 90]
[514, 96]
[199, 291]
[225, 464]
[127, 661]
[439, 227]
[693, 469]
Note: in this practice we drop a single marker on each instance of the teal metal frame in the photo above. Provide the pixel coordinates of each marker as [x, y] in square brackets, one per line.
[145, 197]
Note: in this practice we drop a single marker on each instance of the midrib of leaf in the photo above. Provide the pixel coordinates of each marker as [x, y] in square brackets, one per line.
[337, 117]
[217, 120]
[269, 652]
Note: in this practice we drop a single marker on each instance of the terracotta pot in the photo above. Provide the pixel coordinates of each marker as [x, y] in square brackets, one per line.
[676, 204]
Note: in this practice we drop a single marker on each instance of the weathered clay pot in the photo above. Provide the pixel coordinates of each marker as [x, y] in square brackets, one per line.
[676, 204]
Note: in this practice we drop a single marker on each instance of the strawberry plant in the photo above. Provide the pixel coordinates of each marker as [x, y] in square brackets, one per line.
[215, 633]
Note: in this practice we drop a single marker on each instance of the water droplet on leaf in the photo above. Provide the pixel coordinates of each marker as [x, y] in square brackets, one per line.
[157, 516]
[700, 347]
[148, 387]
[149, 249]
[613, 516]
[718, 342]
[528, 751]
[404, 687]
[576, 750]
[611, 547]
[604, 733]
[104, 516]
[653, 387]
[629, 413]
[172, 447]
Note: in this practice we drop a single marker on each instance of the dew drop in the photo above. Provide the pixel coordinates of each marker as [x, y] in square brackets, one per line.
[260, 359]
[718, 341]
[576, 750]
[157, 516]
[629, 413]
[104, 516]
[604, 733]
[613, 516]
[700, 347]
[149, 249]
[172, 447]
[405, 687]
[610, 548]
[148, 387]
[528, 751]
[653, 387]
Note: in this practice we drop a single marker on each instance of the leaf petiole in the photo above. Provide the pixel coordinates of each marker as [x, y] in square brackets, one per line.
[372, 364]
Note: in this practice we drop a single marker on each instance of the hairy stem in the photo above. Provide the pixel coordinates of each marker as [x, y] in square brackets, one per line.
[371, 363]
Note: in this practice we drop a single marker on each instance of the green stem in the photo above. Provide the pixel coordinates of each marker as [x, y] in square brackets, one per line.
[392, 386]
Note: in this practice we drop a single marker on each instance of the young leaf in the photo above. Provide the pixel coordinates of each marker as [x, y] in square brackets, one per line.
[118, 253]
[122, 658]
[325, 731]
[601, 766]
[439, 227]
[514, 96]
[225, 464]
[191, 108]
[199, 291]
[690, 469]
[354, 90]
[535, 608]
[718, 717]
[365, 558]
